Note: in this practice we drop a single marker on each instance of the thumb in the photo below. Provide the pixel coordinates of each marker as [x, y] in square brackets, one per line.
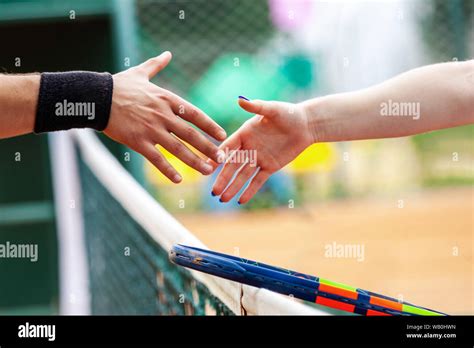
[154, 65]
[261, 107]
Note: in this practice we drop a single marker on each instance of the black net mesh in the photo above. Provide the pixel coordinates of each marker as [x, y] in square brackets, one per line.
[129, 271]
[199, 31]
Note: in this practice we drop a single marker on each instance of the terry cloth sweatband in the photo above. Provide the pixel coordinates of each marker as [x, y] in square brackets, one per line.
[76, 99]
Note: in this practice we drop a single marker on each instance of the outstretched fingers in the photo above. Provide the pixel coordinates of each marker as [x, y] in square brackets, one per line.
[199, 118]
[226, 149]
[159, 161]
[228, 171]
[181, 151]
[199, 141]
[260, 107]
[243, 175]
[255, 184]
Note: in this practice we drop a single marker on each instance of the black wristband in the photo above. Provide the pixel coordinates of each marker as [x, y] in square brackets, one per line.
[76, 99]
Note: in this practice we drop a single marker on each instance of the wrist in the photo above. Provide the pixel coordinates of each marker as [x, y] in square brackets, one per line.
[30, 89]
[75, 99]
[313, 110]
[18, 100]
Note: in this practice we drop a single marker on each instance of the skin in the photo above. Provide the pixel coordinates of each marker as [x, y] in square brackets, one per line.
[18, 100]
[279, 132]
[142, 116]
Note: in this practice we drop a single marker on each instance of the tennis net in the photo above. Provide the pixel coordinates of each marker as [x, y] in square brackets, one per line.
[126, 235]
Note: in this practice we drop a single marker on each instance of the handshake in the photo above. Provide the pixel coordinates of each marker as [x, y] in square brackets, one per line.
[141, 115]
[144, 115]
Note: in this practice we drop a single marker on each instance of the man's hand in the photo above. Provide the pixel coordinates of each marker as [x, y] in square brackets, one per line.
[277, 134]
[144, 115]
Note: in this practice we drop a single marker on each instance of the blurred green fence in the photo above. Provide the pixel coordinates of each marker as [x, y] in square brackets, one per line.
[210, 39]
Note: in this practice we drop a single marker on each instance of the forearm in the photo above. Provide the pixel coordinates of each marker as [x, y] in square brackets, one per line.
[421, 100]
[18, 102]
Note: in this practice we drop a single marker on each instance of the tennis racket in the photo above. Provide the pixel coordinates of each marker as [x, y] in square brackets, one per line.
[302, 286]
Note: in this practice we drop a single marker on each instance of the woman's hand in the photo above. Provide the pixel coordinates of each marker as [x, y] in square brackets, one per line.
[144, 115]
[267, 142]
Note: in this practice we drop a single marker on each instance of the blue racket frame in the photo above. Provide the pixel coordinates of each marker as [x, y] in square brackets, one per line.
[260, 275]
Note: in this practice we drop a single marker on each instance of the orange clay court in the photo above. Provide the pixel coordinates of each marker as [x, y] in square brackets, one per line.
[422, 252]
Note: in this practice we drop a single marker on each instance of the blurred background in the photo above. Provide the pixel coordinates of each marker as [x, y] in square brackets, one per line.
[408, 201]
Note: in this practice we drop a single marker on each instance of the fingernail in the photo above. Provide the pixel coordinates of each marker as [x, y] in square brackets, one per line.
[244, 98]
[177, 178]
[213, 194]
[238, 202]
[220, 200]
[222, 134]
[206, 168]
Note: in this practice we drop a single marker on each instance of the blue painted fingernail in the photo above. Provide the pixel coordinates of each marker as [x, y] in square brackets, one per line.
[220, 200]
[244, 98]
[213, 194]
[238, 202]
